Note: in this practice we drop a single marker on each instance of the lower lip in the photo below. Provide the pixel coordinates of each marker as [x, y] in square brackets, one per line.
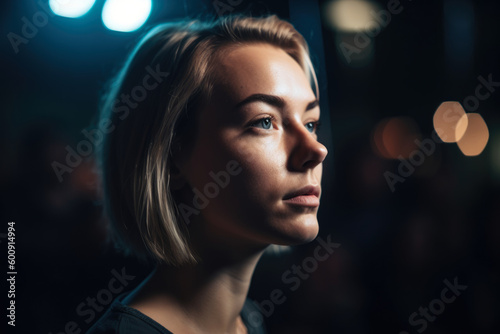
[304, 200]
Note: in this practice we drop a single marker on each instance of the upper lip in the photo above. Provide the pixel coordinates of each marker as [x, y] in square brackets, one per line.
[308, 190]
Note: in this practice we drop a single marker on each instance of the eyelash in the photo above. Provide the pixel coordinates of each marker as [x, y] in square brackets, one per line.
[272, 118]
[316, 124]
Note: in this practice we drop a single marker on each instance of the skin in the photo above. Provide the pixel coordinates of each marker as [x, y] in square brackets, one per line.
[276, 147]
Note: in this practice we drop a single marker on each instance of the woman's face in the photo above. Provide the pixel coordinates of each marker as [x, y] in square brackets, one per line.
[261, 120]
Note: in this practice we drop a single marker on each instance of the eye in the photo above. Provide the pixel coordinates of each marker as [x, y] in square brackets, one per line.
[264, 123]
[313, 127]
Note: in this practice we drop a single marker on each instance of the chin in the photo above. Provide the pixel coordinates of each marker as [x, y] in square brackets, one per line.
[301, 231]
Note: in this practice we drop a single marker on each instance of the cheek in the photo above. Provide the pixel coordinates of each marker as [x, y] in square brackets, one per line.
[250, 204]
[263, 171]
[206, 160]
[255, 190]
[319, 172]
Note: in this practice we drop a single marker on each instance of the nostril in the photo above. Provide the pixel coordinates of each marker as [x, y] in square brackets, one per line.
[310, 164]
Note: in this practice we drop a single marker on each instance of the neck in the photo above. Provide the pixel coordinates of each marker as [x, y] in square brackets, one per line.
[206, 297]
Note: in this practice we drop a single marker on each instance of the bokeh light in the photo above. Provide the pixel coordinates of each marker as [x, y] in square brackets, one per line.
[475, 137]
[125, 15]
[450, 121]
[395, 137]
[71, 8]
[351, 15]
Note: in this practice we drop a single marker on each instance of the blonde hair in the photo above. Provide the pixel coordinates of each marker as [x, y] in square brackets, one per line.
[142, 136]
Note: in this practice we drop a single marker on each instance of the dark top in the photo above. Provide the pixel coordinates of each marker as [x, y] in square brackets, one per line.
[122, 319]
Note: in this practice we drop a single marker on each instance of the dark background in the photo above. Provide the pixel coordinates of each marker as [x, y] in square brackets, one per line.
[396, 247]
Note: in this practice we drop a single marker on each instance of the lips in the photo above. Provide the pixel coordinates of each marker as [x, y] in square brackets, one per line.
[307, 196]
[309, 190]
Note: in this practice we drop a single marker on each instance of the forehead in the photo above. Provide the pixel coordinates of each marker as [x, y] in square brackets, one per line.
[243, 70]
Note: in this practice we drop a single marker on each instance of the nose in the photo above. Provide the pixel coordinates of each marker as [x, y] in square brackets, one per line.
[305, 151]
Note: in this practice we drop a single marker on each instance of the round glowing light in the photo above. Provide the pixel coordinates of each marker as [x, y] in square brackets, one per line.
[394, 138]
[351, 15]
[476, 136]
[450, 121]
[71, 8]
[125, 15]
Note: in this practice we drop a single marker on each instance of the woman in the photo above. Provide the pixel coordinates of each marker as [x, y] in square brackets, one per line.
[211, 155]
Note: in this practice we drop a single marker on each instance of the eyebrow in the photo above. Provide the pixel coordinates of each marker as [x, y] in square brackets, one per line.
[272, 100]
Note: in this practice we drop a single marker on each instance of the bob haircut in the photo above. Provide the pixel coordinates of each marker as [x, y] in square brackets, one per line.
[145, 117]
